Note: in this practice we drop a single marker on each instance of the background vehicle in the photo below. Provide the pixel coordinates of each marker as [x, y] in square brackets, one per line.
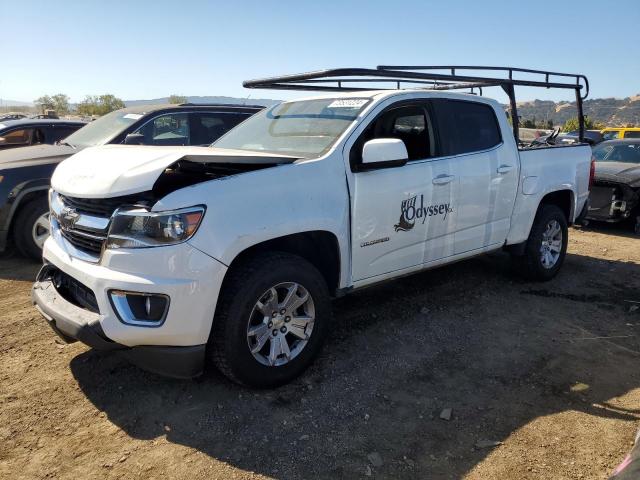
[591, 136]
[233, 252]
[622, 132]
[615, 194]
[11, 116]
[26, 171]
[26, 132]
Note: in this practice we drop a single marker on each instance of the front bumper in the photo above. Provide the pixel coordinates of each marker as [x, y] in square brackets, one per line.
[73, 323]
[187, 276]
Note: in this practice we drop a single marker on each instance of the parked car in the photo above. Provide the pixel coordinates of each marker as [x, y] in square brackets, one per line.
[26, 172]
[11, 116]
[615, 195]
[26, 132]
[622, 132]
[232, 253]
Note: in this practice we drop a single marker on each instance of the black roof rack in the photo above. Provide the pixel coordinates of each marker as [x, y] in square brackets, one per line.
[431, 78]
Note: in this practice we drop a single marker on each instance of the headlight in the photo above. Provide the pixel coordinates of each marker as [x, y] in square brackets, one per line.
[143, 229]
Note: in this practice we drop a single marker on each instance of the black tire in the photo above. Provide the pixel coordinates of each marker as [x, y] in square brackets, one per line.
[245, 284]
[530, 265]
[23, 226]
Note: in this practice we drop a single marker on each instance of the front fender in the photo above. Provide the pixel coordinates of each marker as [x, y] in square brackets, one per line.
[250, 208]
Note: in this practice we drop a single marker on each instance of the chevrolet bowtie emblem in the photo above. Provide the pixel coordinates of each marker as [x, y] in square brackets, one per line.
[68, 218]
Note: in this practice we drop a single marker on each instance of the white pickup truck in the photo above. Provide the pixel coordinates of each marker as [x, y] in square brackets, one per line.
[231, 253]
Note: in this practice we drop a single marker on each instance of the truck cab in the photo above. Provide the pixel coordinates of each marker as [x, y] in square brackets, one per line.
[230, 254]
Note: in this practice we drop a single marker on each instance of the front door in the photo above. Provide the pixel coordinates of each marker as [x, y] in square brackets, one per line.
[403, 215]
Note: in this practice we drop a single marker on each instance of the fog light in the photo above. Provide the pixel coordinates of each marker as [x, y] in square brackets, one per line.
[141, 309]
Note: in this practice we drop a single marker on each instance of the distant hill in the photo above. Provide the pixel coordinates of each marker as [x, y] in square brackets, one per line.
[608, 111]
[267, 102]
[14, 103]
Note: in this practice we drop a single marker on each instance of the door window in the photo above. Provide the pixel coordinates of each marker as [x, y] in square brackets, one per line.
[207, 127]
[611, 135]
[467, 127]
[169, 129]
[17, 137]
[410, 123]
[632, 134]
[58, 133]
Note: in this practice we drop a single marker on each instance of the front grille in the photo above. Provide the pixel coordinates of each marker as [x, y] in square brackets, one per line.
[89, 242]
[85, 236]
[104, 207]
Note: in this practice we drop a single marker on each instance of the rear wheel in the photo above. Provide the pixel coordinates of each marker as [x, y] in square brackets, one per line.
[31, 228]
[546, 246]
[271, 321]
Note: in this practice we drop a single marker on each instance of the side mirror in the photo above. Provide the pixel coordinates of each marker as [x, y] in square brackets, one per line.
[134, 139]
[384, 153]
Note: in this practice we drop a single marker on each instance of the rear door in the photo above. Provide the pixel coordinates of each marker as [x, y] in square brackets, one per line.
[403, 215]
[486, 168]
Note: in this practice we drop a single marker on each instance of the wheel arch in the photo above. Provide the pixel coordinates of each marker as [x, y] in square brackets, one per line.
[319, 247]
[563, 199]
[26, 195]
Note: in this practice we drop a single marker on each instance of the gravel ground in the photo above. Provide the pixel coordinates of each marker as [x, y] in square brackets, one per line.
[542, 381]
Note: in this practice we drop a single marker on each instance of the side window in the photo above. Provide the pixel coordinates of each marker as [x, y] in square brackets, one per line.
[632, 134]
[611, 135]
[467, 127]
[17, 137]
[410, 123]
[170, 129]
[207, 127]
[58, 133]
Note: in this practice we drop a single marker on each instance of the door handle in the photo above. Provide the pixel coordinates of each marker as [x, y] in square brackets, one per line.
[504, 168]
[443, 179]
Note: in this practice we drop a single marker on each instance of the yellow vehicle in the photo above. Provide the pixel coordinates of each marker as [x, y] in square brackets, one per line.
[623, 132]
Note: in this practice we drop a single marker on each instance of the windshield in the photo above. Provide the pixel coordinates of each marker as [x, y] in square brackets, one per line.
[305, 129]
[626, 153]
[103, 129]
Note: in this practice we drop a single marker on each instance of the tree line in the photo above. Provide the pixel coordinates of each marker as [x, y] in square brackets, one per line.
[92, 105]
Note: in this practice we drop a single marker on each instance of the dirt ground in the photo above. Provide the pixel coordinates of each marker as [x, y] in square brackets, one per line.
[542, 379]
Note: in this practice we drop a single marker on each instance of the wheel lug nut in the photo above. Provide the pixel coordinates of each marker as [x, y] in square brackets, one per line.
[283, 329]
[274, 314]
[287, 319]
[275, 332]
[270, 324]
[282, 312]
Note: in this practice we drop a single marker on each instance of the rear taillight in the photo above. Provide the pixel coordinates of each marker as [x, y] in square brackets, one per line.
[592, 172]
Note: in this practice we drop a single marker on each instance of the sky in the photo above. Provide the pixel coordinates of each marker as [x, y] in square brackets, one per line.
[148, 49]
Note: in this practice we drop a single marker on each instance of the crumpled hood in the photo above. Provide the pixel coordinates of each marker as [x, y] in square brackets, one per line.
[36, 154]
[619, 172]
[117, 170]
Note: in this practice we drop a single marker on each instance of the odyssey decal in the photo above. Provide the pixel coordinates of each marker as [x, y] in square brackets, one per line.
[409, 212]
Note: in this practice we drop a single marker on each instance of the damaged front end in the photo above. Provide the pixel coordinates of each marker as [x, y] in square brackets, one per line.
[612, 201]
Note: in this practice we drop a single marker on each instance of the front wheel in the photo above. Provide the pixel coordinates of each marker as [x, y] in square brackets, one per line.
[271, 321]
[546, 246]
[31, 228]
